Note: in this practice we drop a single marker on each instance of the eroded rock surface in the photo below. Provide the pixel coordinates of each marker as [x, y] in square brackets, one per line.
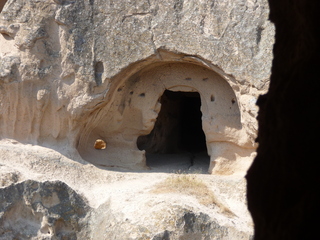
[52, 210]
[199, 226]
[68, 70]
[74, 72]
[54, 191]
[48, 210]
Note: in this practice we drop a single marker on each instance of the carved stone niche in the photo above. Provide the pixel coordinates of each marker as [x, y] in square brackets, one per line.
[125, 123]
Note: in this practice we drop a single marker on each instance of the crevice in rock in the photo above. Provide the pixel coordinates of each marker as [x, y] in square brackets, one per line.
[136, 14]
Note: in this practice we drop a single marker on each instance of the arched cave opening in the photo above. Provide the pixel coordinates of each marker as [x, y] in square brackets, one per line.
[119, 132]
[177, 140]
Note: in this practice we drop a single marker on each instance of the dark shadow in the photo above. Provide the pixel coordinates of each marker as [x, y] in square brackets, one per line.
[2, 3]
[98, 69]
[177, 140]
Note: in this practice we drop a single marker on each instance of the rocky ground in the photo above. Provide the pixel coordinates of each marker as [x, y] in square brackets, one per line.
[45, 195]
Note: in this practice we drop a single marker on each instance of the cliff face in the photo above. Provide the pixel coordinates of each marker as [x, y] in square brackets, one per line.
[88, 87]
[70, 71]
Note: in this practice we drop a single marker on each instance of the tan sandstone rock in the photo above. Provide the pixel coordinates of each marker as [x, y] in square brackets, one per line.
[73, 73]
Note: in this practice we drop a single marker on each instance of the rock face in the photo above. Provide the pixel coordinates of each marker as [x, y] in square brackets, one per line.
[70, 200]
[87, 87]
[32, 209]
[193, 226]
[73, 72]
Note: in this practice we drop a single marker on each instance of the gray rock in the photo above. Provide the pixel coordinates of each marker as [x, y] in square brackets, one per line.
[9, 69]
[199, 226]
[48, 210]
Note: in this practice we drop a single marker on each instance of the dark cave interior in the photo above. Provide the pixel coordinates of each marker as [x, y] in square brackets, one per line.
[283, 181]
[178, 129]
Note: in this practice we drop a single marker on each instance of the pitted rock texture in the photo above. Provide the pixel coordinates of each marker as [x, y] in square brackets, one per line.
[200, 226]
[181, 223]
[51, 194]
[63, 64]
[48, 210]
[74, 72]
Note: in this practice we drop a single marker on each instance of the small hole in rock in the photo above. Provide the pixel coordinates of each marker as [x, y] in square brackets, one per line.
[142, 94]
[233, 101]
[119, 89]
[100, 144]
[131, 92]
[188, 79]
[212, 98]
[205, 79]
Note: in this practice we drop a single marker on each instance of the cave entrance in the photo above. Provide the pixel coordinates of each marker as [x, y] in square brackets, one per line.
[177, 141]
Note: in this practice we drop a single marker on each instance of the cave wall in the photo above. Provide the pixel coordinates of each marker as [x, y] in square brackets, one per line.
[283, 181]
[134, 109]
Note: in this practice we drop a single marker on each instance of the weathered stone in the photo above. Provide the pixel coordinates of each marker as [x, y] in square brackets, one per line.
[117, 204]
[8, 176]
[187, 225]
[9, 69]
[73, 72]
[48, 210]
[66, 82]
